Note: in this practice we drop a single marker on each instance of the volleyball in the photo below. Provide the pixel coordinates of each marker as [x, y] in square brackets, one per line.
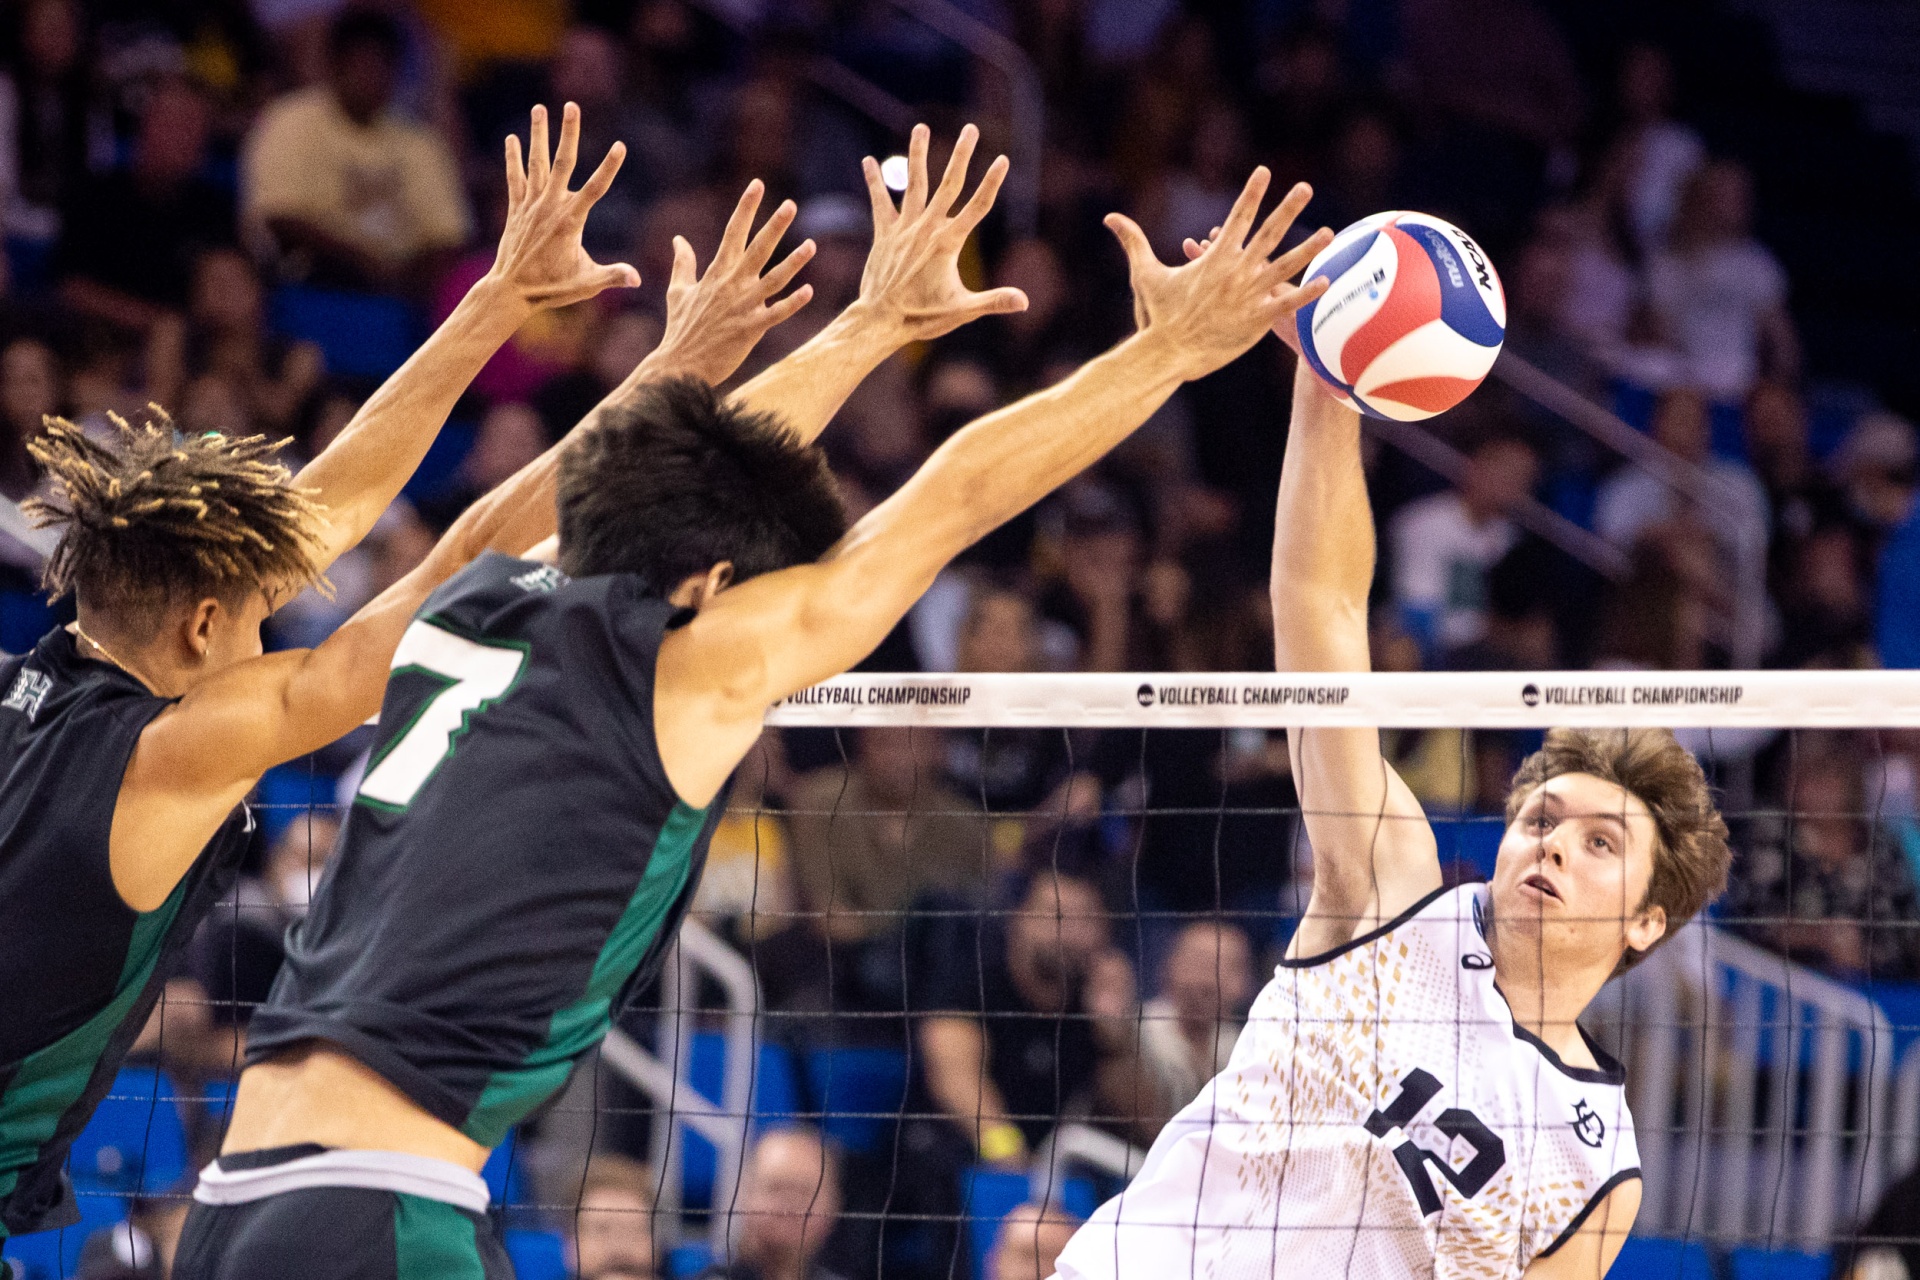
[1412, 318]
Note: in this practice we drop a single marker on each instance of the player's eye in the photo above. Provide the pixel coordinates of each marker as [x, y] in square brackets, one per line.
[1603, 843]
[1542, 823]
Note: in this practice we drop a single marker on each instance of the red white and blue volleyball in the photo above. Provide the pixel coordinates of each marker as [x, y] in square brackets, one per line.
[1412, 318]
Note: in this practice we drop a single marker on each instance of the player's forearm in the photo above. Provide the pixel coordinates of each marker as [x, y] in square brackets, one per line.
[806, 389]
[364, 470]
[1005, 462]
[1323, 538]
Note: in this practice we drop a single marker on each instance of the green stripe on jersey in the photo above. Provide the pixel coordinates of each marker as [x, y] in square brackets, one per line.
[511, 1095]
[434, 1241]
[50, 1080]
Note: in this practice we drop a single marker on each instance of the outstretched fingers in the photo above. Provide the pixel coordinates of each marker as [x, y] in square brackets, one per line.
[878, 196]
[778, 313]
[602, 179]
[1233, 232]
[981, 204]
[915, 198]
[567, 154]
[734, 239]
[539, 159]
[767, 239]
[686, 267]
[955, 178]
[1133, 241]
[516, 173]
[1275, 228]
[784, 271]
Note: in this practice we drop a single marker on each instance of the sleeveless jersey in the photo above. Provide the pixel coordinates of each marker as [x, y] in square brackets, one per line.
[1382, 1117]
[515, 862]
[82, 969]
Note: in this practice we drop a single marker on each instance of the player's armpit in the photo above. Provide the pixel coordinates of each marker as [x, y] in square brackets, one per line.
[1592, 1249]
[1374, 853]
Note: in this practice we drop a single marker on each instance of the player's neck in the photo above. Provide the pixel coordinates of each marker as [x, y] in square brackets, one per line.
[1547, 998]
[146, 661]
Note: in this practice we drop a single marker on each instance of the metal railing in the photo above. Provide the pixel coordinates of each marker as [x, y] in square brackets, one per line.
[664, 1074]
[1762, 1093]
[1746, 616]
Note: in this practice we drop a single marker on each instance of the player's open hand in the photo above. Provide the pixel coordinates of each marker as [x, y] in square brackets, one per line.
[1233, 289]
[714, 320]
[540, 258]
[912, 278]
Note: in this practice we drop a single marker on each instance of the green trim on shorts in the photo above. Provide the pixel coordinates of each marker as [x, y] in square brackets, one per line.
[433, 1240]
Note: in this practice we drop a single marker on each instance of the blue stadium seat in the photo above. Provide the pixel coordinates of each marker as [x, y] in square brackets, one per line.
[988, 1196]
[688, 1260]
[439, 471]
[536, 1255]
[53, 1255]
[859, 1091]
[506, 1173]
[1645, 1258]
[363, 336]
[136, 1140]
[1779, 1264]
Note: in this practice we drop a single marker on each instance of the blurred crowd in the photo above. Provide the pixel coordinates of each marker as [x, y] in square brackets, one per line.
[249, 212]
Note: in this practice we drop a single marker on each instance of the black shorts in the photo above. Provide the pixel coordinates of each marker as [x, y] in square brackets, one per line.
[340, 1233]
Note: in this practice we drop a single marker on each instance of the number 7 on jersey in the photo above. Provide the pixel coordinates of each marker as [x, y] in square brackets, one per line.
[475, 676]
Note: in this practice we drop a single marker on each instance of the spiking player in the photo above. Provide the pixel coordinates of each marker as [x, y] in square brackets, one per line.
[129, 740]
[556, 740]
[1412, 1094]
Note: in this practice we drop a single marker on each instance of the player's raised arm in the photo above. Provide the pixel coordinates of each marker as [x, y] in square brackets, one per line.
[776, 634]
[1373, 850]
[539, 264]
[911, 290]
[200, 757]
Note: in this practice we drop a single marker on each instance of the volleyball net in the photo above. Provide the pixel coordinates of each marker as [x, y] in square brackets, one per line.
[977, 936]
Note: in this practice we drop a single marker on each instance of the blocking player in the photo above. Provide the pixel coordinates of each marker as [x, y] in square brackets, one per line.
[557, 740]
[129, 740]
[1413, 1093]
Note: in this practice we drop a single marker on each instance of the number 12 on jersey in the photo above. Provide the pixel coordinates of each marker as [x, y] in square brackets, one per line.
[472, 676]
[1416, 1091]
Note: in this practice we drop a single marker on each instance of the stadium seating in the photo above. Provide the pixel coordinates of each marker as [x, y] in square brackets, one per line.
[363, 336]
[1664, 1260]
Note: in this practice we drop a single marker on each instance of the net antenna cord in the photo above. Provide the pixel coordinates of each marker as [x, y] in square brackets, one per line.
[1473, 699]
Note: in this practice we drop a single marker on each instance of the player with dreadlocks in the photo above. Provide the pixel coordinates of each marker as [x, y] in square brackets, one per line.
[130, 739]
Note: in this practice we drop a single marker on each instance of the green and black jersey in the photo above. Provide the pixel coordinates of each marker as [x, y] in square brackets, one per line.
[81, 968]
[515, 861]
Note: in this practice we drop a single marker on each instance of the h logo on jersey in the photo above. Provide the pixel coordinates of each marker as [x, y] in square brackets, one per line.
[29, 690]
[1587, 1125]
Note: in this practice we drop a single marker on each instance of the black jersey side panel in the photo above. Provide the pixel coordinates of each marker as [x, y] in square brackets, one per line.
[84, 970]
[523, 861]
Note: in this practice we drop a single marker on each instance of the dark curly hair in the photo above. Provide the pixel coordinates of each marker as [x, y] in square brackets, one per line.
[154, 515]
[677, 480]
[1690, 856]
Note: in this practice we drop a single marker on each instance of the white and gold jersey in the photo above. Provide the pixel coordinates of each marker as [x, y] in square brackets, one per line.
[1382, 1117]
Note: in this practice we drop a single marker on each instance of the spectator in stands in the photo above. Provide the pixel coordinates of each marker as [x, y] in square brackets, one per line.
[1825, 615]
[1800, 498]
[1887, 1244]
[30, 388]
[225, 332]
[1730, 507]
[868, 840]
[1006, 770]
[1027, 1246]
[1363, 172]
[1876, 467]
[1189, 201]
[1654, 153]
[339, 188]
[1102, 551]
[1823, 880]
[1031, 1024]
[789, 1203]
[1187, 1032]
[588, 68]
[610, 1235]
[1443, 545]
[130, 236]
[60, 130]
[1719, 294]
